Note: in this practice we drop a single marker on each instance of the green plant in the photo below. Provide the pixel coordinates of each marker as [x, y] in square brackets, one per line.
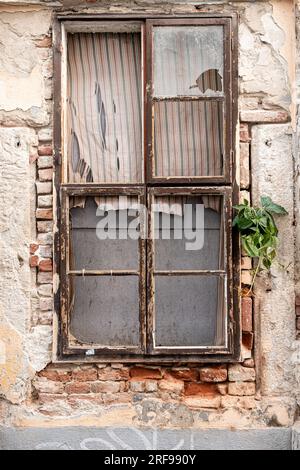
[259, 233]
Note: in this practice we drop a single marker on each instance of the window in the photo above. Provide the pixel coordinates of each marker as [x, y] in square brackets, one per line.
[145, 184]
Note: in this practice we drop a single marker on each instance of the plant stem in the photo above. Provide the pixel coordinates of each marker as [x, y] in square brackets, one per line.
[254, 275]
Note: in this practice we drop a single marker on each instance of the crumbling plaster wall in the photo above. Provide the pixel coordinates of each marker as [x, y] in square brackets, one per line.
[23, 85]
[266, 70]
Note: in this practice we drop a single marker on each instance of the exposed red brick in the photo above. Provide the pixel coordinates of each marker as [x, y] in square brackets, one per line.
[246, 262]
[238, 373]
[151, 386]
[33, 261]
[105, 387]
[84, 375]
[56, 375]
[248, 340]
[298, 300]
[45, 150]
[43, 385]
[44, 188]
[213, 374]
[200, 389]
[249, 363]
[207, 401]
[244, 133]
[171, 385]
[46, 303]
[137, 386]
[45, 162]
[33, 247]
[45, 174]
[244, 165]
[45, 251]
[45, 277]
[45, 265]
[190, 375]
[241, 388]
[298, 323]
[222, 388]
[298, 310]
[145, 373]
[247, 324]
[113, 374]
[78, 387]
[44, 214]
[245, 292]
[44, 42]
[246, 277]
[45, 226]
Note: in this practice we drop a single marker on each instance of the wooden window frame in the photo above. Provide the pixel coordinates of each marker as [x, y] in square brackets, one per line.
[68, 349]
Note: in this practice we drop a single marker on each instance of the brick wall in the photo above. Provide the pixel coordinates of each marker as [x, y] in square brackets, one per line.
[196, 387]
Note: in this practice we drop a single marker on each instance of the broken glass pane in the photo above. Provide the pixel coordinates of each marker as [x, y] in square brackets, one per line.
[188, 60]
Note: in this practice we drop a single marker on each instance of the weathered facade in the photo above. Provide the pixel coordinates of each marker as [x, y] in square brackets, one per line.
[37, 390]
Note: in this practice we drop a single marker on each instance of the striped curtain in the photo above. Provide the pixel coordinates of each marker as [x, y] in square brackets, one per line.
[104, 108]
[188, 138]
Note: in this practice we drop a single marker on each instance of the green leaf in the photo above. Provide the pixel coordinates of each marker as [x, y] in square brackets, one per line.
[239, 207]
[243, 223]
[265, 201]
[250, 247]
[270, 206]
[263, 221]
[259, 233]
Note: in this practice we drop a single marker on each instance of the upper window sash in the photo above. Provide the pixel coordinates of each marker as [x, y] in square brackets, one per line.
[189, 101]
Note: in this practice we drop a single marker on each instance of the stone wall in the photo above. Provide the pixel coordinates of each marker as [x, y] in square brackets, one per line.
[262, 390]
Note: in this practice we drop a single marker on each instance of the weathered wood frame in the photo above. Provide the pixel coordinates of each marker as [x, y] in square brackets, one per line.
[64, 350]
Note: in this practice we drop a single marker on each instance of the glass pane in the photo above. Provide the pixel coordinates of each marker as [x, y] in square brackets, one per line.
[104, 239]
[106, 310]
[188, 60]
[188, 233]
[104, 108]
[188, 137]
[189, 311]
